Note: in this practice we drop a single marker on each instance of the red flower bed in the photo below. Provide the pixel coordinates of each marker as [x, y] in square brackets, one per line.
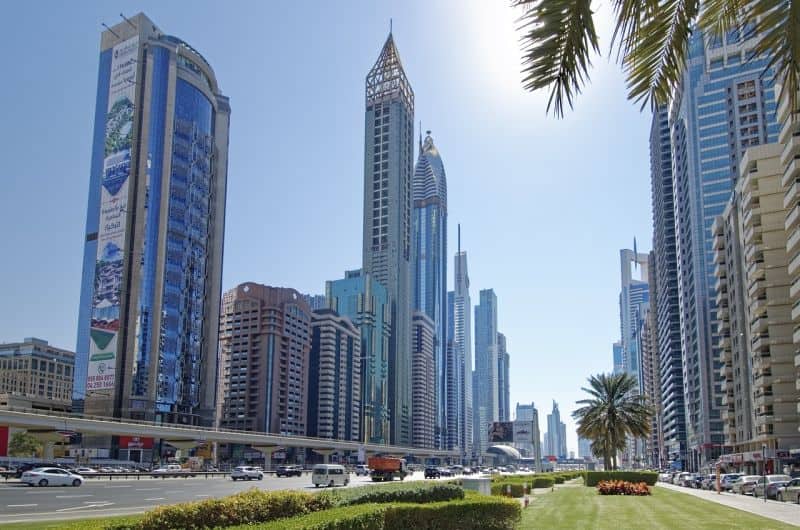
[622, 487]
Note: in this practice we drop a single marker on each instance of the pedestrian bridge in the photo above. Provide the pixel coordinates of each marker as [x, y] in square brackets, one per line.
[32, 419]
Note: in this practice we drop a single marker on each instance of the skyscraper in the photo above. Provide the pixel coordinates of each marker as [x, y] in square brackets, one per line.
[458, 368]
[152, 267]
[504, 390]
[633, 299]
[723, 104]
[429, 190]
[527, 419]
[365, 302]
[556, 435]
[263, 328]
[387, 252]
[619, 362]
[487, 391]
[665, 293]
[423, 380]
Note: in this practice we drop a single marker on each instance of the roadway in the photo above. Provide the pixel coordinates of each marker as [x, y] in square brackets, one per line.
[103, 498]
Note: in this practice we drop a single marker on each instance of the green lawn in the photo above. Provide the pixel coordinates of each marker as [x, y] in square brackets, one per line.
[76, 524]
[580, 507]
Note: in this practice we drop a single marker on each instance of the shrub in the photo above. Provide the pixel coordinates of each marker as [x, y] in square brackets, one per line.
[358, 517]
[418, 493]
[621, 487]
[559, 479]
[253, 506]
[591, 478]
[517, 490]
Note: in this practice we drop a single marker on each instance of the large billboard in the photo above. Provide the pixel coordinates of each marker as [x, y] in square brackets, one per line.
[105, 323]
[523, 432]
[501, 432]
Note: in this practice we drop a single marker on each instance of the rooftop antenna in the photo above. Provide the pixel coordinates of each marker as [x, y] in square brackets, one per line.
[109, 29]
[459, 238]
[390, 25]
[126, 19]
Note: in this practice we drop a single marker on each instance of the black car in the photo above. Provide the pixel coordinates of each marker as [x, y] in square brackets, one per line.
[288, 471]
[432, 472]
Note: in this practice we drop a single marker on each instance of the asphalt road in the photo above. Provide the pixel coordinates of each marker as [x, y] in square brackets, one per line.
[102, 498]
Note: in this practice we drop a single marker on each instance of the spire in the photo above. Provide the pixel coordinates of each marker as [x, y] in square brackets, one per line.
[387, 80]
[420, 137]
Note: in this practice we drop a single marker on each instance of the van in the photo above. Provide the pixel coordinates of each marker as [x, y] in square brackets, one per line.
[329, 475]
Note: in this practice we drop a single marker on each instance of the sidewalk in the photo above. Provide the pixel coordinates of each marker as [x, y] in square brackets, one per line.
[784, 512]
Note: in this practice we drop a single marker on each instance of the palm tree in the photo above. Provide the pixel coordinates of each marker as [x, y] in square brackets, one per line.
[614, 413]
[650, 39]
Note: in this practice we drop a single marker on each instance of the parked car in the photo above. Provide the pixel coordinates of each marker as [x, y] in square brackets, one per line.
[288, 471]
[665, 477]
[22, 468]
[445, 472]
[362, 470]
[246, 473]
[745, 484]
[708, 482]
[726, 480]
[768, 486]
[84, 470]
[329, 475]
[680, 477]
[170, 470]
[432, 472]
[790, 492]
[51, 476]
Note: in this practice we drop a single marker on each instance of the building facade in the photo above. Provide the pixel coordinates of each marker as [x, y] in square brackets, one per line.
[526, 418]
[634, 297]
[152, 267]
[504, 390]
[334, 377]
[618, 360]
[487, 392]
[387, 249]
[423, 380]
[429, 190]
[556, 435]
[723, 104]
[36, 371]
[264, 345]
[664, 293]
[359, 297]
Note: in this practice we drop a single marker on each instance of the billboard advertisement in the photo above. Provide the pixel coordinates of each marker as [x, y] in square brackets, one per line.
[135, 442]
[501, 432]
[523, 432]
[105, 324]
[4, 440]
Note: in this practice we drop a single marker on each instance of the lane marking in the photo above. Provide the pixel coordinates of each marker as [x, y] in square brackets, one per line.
[72, 496]
[156, 499]
[20, 505]
[202, 495]
[111, 487]
[147, 489]
[95, 505]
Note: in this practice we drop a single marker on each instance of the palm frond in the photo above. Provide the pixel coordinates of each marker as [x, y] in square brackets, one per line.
[629, 15]
[777, 28]
[559, 38]
[720, 16]
[656, 54]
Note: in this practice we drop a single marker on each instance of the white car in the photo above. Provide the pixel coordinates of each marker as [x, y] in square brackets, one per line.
[84, 471]
[247, 473]
[51, 476]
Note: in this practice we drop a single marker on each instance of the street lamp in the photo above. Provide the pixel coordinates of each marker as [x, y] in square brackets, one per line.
[764, 469]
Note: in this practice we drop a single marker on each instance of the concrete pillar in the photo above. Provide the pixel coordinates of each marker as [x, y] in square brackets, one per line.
[326, 454]
[267, 451]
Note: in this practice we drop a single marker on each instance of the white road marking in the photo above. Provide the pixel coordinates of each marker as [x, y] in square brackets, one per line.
[147, 489]
[20, 505]
[96, 505]
[72, 496]
[202, 495]
[110, 487]
[156, 499]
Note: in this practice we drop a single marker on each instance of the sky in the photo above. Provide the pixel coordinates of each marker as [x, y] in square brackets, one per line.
[544, 204]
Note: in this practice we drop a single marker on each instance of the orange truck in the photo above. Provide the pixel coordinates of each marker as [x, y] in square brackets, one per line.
[385, 468]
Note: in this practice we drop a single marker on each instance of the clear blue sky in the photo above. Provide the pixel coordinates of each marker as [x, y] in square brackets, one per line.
[544, 204]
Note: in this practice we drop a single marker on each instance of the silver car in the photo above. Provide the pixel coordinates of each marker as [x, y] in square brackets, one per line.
[745, 484]
[51, 476]
[790, 492]
[768, 486]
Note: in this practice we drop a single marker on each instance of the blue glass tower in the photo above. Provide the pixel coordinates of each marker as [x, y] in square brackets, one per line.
[150, 295]
[429, 190]
[723, 105]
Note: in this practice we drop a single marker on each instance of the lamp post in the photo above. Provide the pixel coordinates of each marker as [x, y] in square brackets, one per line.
[764, 469]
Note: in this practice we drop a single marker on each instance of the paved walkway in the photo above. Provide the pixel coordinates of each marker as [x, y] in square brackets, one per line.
[784, 512]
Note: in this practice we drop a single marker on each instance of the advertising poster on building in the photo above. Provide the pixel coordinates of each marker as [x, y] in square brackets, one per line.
[523, 432]
[105, 323]
[501, 432]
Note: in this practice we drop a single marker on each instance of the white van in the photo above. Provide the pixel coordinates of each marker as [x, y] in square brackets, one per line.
[329, 475]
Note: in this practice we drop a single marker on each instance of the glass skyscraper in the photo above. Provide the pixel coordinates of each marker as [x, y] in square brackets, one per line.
[723, 105]
[487, 391]
[458, 367]
[152, 268]
[429, 190]
[387, 249]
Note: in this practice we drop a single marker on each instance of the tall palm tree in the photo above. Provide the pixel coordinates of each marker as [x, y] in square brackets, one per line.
[650, 40]
[614, 413]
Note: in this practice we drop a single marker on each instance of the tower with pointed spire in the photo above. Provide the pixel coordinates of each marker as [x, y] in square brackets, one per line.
[429, 191]
[387, 247]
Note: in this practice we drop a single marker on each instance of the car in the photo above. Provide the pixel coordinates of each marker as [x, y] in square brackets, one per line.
[329, 475]
[469, 471]
[708, 482]
[432, 472]
[246, 473]
[745, 484]
[171, 470]
[362, 470]
[445, 472]
[84, 470]
[678, 479]
[790, 492]
[726, 480]
[768, 486]
[288, 471]
[51, 476]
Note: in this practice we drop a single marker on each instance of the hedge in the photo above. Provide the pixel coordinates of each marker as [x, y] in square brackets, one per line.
[417, 493]
[478, 513]
[249, 507]
[591, 478]
[517, 490]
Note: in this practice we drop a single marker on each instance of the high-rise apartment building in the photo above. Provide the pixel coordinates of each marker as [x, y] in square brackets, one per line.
[585, 448]
[36, 371]
[487, 392]
[723, 104]
[647, 345]
[359, 297]
[387, 249]
[429, 191]
[664, 293]
[264, 345]
[504, 390]
[526, 433]
[618, 360]
[152, 266]
[458, 367]
[423, 379]
[316, 301]
[334, 377]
